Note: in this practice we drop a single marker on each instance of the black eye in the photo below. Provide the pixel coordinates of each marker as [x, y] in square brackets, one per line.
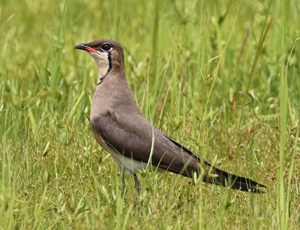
[106, 47]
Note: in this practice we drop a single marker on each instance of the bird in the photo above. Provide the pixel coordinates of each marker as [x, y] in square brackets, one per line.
[134, 143]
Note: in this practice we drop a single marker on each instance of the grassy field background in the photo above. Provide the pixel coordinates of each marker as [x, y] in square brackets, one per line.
[188, 63]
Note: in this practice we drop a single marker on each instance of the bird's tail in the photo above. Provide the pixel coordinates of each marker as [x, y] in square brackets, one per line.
[233, 181]
[219, 177]
[193, 165]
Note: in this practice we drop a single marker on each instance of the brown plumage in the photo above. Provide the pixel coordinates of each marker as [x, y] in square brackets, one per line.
[121, 129]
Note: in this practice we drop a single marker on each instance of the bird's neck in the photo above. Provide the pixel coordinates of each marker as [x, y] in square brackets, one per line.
[112, 94]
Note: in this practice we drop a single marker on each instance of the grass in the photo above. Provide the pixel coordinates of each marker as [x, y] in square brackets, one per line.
[184, 69]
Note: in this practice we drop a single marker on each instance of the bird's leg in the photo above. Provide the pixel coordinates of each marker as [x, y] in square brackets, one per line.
[138, 189]
[137, 185]
[123, 182]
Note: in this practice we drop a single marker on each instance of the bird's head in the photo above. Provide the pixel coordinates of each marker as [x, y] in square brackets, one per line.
[108, 55]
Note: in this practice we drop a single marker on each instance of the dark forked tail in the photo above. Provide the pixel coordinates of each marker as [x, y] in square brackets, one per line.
[225, 179]
[235, 182]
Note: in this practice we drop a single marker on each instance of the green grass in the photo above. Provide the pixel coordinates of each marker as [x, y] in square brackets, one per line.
[185, 63]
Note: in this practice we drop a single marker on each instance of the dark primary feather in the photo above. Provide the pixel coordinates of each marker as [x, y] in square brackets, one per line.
[224, 178]
[116, 131]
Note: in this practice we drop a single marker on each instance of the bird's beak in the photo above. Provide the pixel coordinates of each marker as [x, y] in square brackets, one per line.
[81, 46]
[84, 47]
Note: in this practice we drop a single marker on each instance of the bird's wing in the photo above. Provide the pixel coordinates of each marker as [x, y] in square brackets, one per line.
[132, 137]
